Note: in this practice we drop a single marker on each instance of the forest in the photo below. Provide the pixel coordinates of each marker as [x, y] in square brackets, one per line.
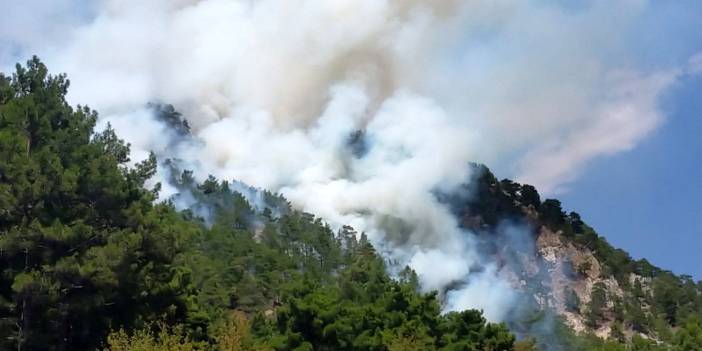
[89, 260]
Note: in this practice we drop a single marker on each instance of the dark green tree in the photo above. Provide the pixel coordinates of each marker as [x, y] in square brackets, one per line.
[596, 307]
[552, 214]
[529, 196]
[82, 248]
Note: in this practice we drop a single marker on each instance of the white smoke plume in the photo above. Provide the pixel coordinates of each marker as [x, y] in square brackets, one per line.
[274, 88]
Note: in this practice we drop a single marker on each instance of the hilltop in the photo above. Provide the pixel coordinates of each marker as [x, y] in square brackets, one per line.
[91, 260]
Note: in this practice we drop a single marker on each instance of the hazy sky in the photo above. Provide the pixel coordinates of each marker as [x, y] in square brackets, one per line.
[595, 102]
[648, 200]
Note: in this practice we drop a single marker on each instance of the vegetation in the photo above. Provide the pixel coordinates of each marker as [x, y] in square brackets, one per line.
[598, 302]
[89, 260]
[82, 247]
[656, 304]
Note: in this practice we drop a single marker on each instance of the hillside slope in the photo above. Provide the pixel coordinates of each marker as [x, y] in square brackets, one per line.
[90, 260]
[593, 286]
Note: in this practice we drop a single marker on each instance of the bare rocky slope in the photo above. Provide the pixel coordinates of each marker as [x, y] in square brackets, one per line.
[562, 265]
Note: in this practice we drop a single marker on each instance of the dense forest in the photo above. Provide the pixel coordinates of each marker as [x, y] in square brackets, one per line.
[89, 260]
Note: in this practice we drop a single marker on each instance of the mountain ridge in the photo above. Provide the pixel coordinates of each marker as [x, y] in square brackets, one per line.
[90, 259]
[580, 261]
[570, 259]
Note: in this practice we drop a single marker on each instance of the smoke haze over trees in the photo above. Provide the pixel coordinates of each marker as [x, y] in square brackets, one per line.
[89, 260]
[296, 171]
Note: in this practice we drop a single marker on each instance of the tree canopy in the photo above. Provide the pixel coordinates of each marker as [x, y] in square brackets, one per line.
[89, 260]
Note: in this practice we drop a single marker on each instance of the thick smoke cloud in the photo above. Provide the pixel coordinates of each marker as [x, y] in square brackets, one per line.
[274, 89]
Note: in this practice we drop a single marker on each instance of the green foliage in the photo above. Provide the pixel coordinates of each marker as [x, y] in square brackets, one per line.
[85, 251]
[164, 338]
[552, 214]
[530, 197]
[576, 223]
[689, 337]
[484, 202]
[596, 307]
[317, 289]
[173, 119]
[526, 345]
[82, 248]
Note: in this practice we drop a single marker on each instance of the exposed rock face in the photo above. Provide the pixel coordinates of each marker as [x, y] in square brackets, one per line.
[560, 261]
[570, 268]
[563, 266]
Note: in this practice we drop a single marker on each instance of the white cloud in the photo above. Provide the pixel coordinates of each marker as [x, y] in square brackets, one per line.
[626, 115]
[695, 64]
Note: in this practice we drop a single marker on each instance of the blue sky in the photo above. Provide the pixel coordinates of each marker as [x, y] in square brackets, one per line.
[648, 201]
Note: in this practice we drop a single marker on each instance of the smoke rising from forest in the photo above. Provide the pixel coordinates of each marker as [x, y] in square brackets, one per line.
[276, 92]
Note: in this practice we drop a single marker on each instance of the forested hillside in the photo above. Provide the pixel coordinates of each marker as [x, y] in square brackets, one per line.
[89, 260]
[84, 251]
[592, 287]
